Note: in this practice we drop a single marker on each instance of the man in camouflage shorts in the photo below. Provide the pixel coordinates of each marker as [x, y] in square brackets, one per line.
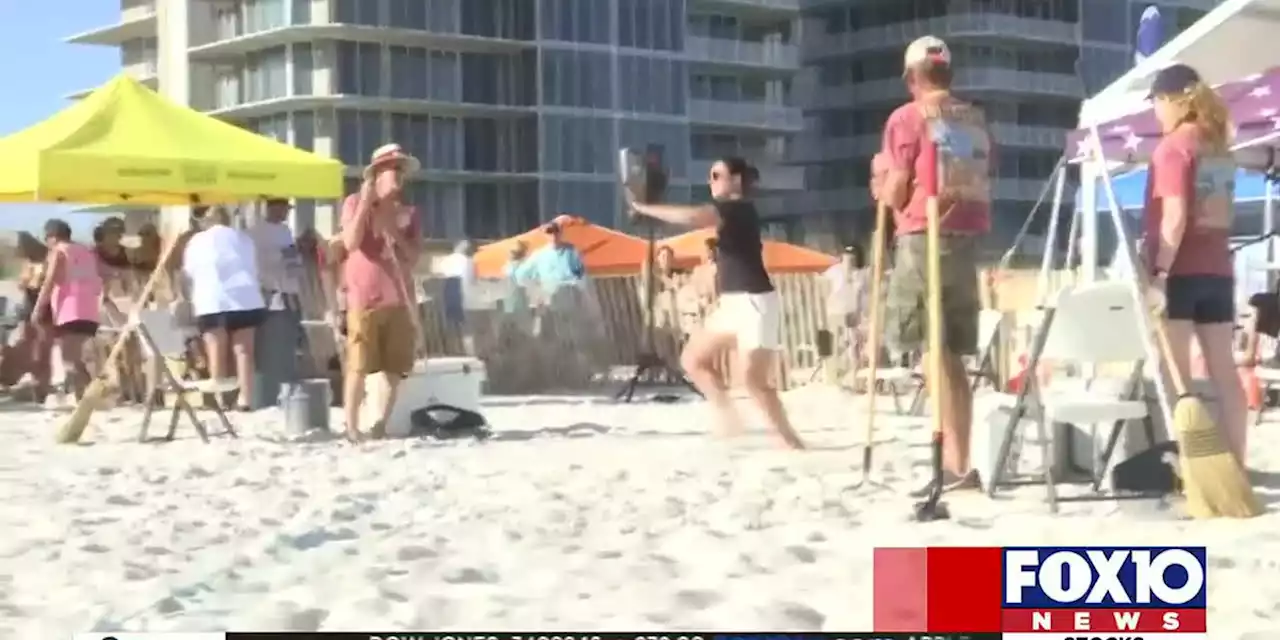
[964, 204]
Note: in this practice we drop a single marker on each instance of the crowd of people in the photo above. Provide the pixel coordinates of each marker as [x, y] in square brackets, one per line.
[229, 281]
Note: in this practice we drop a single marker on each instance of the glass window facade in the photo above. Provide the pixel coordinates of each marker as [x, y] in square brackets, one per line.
[672, 138]
[597, 201]
[651, 24]
[261, 15]
[573, 78]
[415, 72]
[304, 130]
[864, 14]
[576, 21]
[578, 144]
[1105, 21]
[503, 79]
[303, 69]
[300, 13]
[265, 75]
[653, 85]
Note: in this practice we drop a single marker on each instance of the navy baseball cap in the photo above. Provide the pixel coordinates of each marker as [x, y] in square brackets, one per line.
[1173, 80]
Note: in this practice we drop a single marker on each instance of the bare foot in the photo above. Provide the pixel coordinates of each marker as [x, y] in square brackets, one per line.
[353, 436]
[378, 431]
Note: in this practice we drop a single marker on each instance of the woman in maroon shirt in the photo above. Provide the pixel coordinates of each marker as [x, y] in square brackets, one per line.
[1187, 225]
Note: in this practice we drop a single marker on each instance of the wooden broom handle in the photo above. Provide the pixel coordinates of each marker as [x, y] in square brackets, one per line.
[1163, 344]
[877, 310]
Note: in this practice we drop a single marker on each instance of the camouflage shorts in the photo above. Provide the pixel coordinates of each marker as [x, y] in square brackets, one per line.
[905, 316]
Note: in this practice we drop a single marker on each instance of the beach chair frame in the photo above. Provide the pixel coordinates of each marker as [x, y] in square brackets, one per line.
[174, 347]
[1030, 404]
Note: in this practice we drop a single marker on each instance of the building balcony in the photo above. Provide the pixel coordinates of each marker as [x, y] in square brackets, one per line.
[145, 71]
[135, 22]
[810, 148]
[773, 176]
[953, 27]
[740, 7]
[982, 79]
[236, 106]
[235, 46]
[731, 114]
[741, 53]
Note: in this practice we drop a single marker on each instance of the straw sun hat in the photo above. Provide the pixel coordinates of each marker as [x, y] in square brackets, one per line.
[391, 153]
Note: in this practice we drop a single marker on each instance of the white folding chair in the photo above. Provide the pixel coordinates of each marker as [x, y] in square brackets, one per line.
[165, 341]
[1092, 324]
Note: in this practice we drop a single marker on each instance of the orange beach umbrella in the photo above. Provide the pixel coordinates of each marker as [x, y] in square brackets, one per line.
[779, 257]
[604, 251]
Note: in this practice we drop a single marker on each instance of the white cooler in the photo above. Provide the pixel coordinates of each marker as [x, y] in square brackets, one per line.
[453, 381]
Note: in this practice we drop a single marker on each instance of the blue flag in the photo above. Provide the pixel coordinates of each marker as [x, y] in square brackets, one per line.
[1150, 34]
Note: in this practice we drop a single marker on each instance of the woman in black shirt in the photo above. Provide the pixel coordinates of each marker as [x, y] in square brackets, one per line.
[748, 313]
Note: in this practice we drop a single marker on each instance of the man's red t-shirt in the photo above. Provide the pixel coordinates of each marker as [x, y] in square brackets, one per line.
[1178, 170]
[903, 136]
[367, 273]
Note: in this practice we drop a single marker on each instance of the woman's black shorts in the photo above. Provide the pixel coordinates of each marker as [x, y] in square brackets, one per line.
[1201, 299]
[232, 321]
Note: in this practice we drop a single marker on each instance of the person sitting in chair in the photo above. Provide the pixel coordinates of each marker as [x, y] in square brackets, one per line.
[1265, 321]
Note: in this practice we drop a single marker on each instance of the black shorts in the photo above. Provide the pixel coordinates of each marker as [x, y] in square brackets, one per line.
[232, 321]
[1266, 312]
[1201, 299]
[87, 328]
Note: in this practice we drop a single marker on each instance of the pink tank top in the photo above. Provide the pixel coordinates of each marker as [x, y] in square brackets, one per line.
[77, 293]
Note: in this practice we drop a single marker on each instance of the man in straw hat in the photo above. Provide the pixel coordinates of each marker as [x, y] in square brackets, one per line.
[964, 204]
[382, 238]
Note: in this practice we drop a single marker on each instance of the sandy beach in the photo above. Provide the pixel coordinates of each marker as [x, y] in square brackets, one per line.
[579, 514]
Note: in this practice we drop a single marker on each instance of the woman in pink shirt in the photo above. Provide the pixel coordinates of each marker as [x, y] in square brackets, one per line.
[1186, 232]
[73, 290]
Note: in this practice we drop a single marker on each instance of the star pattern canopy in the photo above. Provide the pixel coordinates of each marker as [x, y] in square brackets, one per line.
[1254, 103]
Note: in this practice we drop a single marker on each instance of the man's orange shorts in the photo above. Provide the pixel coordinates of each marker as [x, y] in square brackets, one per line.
[380, 340]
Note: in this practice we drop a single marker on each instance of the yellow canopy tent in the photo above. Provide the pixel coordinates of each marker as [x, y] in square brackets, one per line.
[126, 144]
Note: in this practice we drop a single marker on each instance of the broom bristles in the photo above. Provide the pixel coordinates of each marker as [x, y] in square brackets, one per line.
[1213, 481]
[73, 428]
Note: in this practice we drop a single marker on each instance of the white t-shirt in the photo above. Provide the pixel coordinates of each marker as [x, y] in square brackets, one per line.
[279, 264]
[463, 267]
[848, 291]
[222, 265]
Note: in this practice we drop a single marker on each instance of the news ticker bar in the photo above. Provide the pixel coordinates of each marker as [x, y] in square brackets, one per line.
[431, 635]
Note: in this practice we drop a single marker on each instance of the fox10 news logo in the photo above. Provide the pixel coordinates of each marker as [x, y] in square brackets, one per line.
[1104, 593]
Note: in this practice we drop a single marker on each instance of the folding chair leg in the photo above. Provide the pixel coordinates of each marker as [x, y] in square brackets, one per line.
[1047, 453]
[173, 423]
[1105, 461]
[917, 399]
[146, 414]
[226, 424]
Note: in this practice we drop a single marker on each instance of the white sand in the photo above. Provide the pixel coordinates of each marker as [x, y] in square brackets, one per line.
[579, 515]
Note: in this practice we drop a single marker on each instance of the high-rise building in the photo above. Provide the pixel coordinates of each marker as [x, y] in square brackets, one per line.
[515, 107]
[1027, 62]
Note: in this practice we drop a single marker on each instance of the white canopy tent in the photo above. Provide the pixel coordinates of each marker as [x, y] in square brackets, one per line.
[1234, 40]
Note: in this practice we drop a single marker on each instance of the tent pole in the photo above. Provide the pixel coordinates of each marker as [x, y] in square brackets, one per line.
[1073, 239]
[1089, 217]
[1051, 238]
[1269, 225]
[1133, 271]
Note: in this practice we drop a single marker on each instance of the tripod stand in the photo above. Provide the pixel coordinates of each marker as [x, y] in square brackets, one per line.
[647, 359]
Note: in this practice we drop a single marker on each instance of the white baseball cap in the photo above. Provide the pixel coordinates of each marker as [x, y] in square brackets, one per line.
[926, 48]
